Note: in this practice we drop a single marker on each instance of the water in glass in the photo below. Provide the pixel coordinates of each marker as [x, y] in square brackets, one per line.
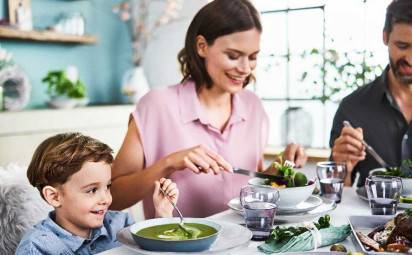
[259, 205]
[331, 176]
[332, 188]
[383, 206]
[259, 218]
[383, 194]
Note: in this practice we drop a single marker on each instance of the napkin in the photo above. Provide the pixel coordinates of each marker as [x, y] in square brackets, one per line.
[306, 240]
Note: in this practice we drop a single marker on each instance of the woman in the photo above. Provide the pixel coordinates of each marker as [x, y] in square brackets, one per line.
[205, 124]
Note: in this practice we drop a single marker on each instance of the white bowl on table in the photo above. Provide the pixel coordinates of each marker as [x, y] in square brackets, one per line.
[289, 197]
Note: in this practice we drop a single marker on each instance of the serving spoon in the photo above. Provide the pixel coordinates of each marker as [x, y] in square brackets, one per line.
[181, 224]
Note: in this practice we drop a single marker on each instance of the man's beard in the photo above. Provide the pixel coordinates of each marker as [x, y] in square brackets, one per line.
[403, 79]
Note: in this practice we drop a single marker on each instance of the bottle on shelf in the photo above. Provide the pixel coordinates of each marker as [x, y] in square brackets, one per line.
[23, 17]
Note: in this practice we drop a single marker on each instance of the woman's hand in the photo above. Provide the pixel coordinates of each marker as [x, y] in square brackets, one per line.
[163, 207]
[198, 159]
[295, 153]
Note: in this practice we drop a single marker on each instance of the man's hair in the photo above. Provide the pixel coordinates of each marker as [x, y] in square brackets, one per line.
[60, 156]
[215, 19]
[398, 11]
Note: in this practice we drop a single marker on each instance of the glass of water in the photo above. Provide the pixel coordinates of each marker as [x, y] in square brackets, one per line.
[383, 194]
[331, 177]
[259, 205]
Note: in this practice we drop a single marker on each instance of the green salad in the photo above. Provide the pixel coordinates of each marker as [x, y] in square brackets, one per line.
[397, 171]
[291, 178]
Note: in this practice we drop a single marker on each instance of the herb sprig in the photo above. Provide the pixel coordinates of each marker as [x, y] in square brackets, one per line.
[284, 234]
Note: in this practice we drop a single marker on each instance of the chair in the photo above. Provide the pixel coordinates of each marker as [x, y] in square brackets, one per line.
[21, 206]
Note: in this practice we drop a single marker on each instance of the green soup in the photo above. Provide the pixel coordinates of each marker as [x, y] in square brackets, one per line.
[175, 232]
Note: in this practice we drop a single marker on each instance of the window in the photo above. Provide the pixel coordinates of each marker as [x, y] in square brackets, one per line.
[292, 27]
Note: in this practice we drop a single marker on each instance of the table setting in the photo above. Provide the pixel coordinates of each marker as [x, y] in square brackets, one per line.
[319, 216]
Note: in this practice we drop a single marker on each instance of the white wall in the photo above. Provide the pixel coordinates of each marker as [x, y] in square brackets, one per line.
[160, 58]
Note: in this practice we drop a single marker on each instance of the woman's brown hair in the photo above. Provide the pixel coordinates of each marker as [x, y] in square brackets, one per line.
[60, 156]
[218, 18]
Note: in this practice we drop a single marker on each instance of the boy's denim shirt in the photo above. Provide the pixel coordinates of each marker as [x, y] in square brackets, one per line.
[47, 237]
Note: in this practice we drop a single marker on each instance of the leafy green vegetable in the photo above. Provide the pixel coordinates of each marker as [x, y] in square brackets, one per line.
[323, 222]
[284, 234]
[393, 171]
[291, 177]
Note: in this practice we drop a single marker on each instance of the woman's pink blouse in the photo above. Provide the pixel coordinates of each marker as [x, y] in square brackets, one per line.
[172, 119]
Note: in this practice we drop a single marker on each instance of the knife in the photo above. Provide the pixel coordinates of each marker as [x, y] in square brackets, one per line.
[257, 174]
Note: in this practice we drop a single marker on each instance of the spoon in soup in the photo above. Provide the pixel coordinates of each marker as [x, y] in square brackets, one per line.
[181, 224]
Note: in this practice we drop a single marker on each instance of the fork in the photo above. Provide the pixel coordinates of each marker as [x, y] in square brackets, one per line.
[369, 149]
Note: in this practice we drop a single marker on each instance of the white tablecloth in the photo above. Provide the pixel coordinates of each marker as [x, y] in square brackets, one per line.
[351, 205]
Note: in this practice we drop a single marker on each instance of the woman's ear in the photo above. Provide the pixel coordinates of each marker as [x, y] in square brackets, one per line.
[52, 196]
[201, 46]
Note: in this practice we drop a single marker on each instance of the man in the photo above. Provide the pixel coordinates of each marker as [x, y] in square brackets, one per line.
[381, 111]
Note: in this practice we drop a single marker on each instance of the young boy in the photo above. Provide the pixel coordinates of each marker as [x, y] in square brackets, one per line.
[73, 174]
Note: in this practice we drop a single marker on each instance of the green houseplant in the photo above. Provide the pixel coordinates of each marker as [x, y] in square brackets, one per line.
[341, 73]
[65, 89]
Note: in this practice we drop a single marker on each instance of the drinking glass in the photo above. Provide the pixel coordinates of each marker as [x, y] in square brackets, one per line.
[331, 176]
[383, 194]
[260, 205]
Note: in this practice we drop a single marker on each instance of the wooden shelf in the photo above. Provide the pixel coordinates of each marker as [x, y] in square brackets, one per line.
[45, 36]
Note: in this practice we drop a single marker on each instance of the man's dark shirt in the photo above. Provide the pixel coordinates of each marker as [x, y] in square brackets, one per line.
[373, 108]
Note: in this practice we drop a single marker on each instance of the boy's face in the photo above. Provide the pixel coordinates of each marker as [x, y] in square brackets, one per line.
[85, 198]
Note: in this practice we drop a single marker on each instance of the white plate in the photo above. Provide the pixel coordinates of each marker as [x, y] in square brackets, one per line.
[311, 203]
[361, 192]
[232, 237]
[326, 206]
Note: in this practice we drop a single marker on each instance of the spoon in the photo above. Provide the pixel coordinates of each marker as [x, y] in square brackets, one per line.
[181, 224]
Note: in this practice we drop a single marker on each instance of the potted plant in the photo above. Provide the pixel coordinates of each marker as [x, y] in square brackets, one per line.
[65, 89]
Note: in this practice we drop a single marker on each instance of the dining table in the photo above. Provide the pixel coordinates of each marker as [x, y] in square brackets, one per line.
[350, 204]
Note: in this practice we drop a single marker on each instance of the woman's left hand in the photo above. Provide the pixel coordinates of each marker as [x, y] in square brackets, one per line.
[162, 205]
[295, 153]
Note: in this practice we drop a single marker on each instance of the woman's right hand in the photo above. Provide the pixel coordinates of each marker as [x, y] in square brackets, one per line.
[198, 159]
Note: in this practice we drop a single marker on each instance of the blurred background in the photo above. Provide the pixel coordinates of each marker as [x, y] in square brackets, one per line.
[313, 53]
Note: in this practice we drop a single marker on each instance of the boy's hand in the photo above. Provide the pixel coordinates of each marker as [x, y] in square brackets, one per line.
[162, 205]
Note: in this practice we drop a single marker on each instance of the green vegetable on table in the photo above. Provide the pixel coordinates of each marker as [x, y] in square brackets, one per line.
[281, 234]
[300, 239]
[397, 171]
[291, 177]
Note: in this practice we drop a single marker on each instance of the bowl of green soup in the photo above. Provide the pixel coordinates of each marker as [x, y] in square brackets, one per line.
[165, 234]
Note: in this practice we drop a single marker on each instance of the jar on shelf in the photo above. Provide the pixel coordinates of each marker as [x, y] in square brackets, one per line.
[70, 23]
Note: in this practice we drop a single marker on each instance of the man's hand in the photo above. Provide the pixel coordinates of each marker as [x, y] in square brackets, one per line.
[348, 148]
